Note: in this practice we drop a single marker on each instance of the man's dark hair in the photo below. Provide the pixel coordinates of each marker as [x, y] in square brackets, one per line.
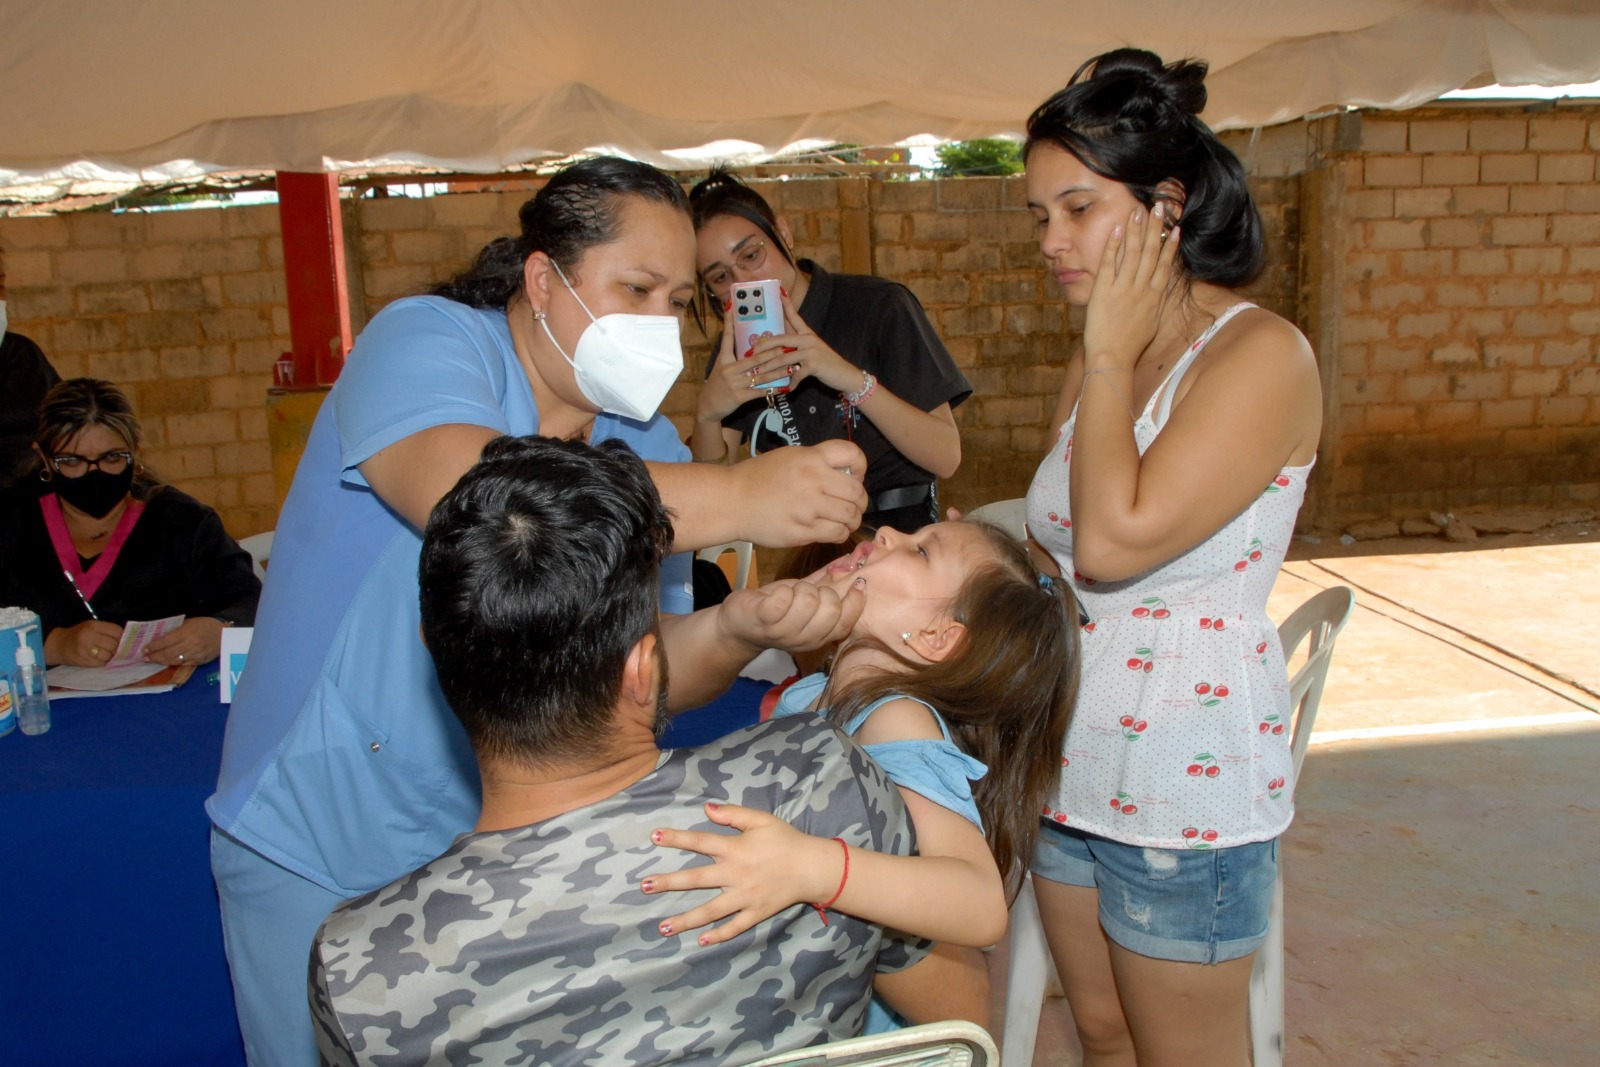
[539, 573]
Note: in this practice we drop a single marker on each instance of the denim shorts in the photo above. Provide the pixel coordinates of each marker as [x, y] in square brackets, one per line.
[1206, 906]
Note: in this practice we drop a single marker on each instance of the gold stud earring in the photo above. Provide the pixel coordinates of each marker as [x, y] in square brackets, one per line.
[538, 315]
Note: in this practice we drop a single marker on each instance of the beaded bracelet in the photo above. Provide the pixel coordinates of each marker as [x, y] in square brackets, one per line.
[869, 382]
[822, 909]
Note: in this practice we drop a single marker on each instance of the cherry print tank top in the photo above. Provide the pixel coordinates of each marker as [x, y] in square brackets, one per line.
[1181, 737]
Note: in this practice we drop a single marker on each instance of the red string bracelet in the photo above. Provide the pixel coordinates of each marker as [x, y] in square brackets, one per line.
[822, 909]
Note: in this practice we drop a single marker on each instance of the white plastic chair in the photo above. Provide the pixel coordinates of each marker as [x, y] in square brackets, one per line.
[1010, 515]
[1029, 968]
[1317, 621]
[260, 547]
[948, 1044]
[1030, 973]
[741, 553]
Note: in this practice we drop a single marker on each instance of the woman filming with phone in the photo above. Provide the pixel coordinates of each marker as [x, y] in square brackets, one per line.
[828, 356]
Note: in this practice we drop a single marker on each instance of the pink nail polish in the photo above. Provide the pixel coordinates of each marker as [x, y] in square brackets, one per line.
[859, 583]
[648, 885]
[705, 939]
[713, 805]
[656, 835]
[666, 929]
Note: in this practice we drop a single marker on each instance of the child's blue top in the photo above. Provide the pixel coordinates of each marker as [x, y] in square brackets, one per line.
[937, 770]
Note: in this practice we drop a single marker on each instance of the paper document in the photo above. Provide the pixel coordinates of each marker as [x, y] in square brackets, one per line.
[136, 635]
[100, 679]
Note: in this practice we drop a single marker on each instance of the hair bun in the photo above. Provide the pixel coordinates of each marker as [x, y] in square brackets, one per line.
[1185, 83]
[722, 177]
[1145, 88]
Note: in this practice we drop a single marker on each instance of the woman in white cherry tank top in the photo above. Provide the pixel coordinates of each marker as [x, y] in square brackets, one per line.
[1180, 737]
[1178, 491]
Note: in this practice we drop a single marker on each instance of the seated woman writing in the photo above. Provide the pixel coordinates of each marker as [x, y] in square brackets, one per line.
[93, 540]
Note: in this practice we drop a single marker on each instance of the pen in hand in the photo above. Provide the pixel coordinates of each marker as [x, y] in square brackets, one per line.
[74, 583]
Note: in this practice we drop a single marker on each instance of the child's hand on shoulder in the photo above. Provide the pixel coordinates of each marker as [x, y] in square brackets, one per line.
[766, 867]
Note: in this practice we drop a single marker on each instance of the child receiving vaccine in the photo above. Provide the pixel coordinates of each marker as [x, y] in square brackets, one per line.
[959, 679]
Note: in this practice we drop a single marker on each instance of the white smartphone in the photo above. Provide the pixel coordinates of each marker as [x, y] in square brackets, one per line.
[757, 313]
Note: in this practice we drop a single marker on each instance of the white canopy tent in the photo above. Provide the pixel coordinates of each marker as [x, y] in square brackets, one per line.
[101, 93]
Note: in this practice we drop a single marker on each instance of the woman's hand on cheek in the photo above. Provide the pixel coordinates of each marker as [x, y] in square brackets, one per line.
[766, 867]
[1130, 285]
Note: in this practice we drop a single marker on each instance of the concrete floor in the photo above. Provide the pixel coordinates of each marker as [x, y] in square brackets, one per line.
[1441, 904]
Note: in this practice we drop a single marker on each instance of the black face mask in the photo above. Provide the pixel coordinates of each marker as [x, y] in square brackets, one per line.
[95, 492]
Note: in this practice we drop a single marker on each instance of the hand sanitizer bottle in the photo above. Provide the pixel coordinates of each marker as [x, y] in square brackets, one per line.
[29, 689]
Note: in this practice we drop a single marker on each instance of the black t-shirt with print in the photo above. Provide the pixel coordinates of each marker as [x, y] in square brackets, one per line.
[879, 326]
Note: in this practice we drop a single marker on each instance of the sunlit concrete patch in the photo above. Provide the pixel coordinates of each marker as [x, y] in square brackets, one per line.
[1392, 668]
[1521, 722]
[1540, 603]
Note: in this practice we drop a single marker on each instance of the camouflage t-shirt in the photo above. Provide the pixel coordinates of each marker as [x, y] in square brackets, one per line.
[535, 945]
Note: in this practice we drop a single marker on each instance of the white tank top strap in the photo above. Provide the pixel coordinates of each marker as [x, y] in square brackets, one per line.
[1161, 399]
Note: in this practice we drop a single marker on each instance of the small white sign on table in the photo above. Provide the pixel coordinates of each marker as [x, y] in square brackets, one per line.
[235, 649]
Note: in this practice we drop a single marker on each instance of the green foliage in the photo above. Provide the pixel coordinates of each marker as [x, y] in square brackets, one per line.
[984, 156]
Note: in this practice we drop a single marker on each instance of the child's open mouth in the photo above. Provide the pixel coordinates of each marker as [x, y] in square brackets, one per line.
[854, 561]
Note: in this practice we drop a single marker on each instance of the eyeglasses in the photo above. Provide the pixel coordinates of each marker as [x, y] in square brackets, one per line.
[75, 466]
[747, 259]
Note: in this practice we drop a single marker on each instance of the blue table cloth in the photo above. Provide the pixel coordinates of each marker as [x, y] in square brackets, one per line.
[108, 918]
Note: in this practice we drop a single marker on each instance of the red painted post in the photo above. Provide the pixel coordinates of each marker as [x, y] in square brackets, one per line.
[313, 265]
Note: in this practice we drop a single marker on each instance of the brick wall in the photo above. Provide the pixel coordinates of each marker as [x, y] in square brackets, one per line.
[1444, 263]
[1462, 355]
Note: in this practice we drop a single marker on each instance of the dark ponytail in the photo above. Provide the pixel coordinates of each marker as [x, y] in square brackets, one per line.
[578, 208]
[1131, 119]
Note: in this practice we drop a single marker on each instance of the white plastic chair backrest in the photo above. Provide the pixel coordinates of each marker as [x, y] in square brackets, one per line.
[1320, 619]
[948, 1044]
[1010, 515]
[741, 553]
[260, 547]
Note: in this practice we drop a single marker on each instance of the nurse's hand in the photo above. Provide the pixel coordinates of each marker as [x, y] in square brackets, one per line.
[802, 495]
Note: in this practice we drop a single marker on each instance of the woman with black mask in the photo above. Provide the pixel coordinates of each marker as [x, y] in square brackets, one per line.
[93, 540]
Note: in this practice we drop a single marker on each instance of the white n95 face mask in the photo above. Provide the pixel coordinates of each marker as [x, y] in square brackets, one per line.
[625, 364]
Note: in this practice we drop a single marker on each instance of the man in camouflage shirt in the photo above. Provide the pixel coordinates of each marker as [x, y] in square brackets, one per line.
[529, 940]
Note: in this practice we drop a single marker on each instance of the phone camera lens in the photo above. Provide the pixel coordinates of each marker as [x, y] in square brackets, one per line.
[743, 309]
[760, 309]
[740, 294]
